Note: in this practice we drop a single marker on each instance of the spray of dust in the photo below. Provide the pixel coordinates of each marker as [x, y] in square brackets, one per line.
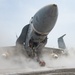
[16, 61]
[64, 61]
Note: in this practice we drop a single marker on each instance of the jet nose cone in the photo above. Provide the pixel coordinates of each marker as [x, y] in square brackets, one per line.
[54, 10]
[54, 5]
[45, 19]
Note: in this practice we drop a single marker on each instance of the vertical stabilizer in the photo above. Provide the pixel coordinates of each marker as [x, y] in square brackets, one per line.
[61, 43]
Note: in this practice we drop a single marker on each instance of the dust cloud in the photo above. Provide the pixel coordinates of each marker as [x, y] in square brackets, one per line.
[18, 61]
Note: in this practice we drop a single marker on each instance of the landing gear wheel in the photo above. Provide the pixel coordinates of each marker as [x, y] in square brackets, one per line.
[42, 63]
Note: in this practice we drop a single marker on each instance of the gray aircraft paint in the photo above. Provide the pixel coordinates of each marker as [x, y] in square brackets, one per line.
[61, 43]
[43, 21]
[40, 25]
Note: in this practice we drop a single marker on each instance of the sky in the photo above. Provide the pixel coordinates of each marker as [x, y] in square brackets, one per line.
[15, 14]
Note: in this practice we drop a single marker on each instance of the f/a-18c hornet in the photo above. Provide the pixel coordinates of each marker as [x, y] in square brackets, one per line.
[34, 35]
[31, 45]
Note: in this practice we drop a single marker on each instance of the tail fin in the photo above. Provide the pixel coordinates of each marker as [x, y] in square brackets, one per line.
[61, 43]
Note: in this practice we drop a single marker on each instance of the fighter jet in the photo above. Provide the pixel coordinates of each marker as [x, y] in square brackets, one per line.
[34, 35]
[31, 43]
